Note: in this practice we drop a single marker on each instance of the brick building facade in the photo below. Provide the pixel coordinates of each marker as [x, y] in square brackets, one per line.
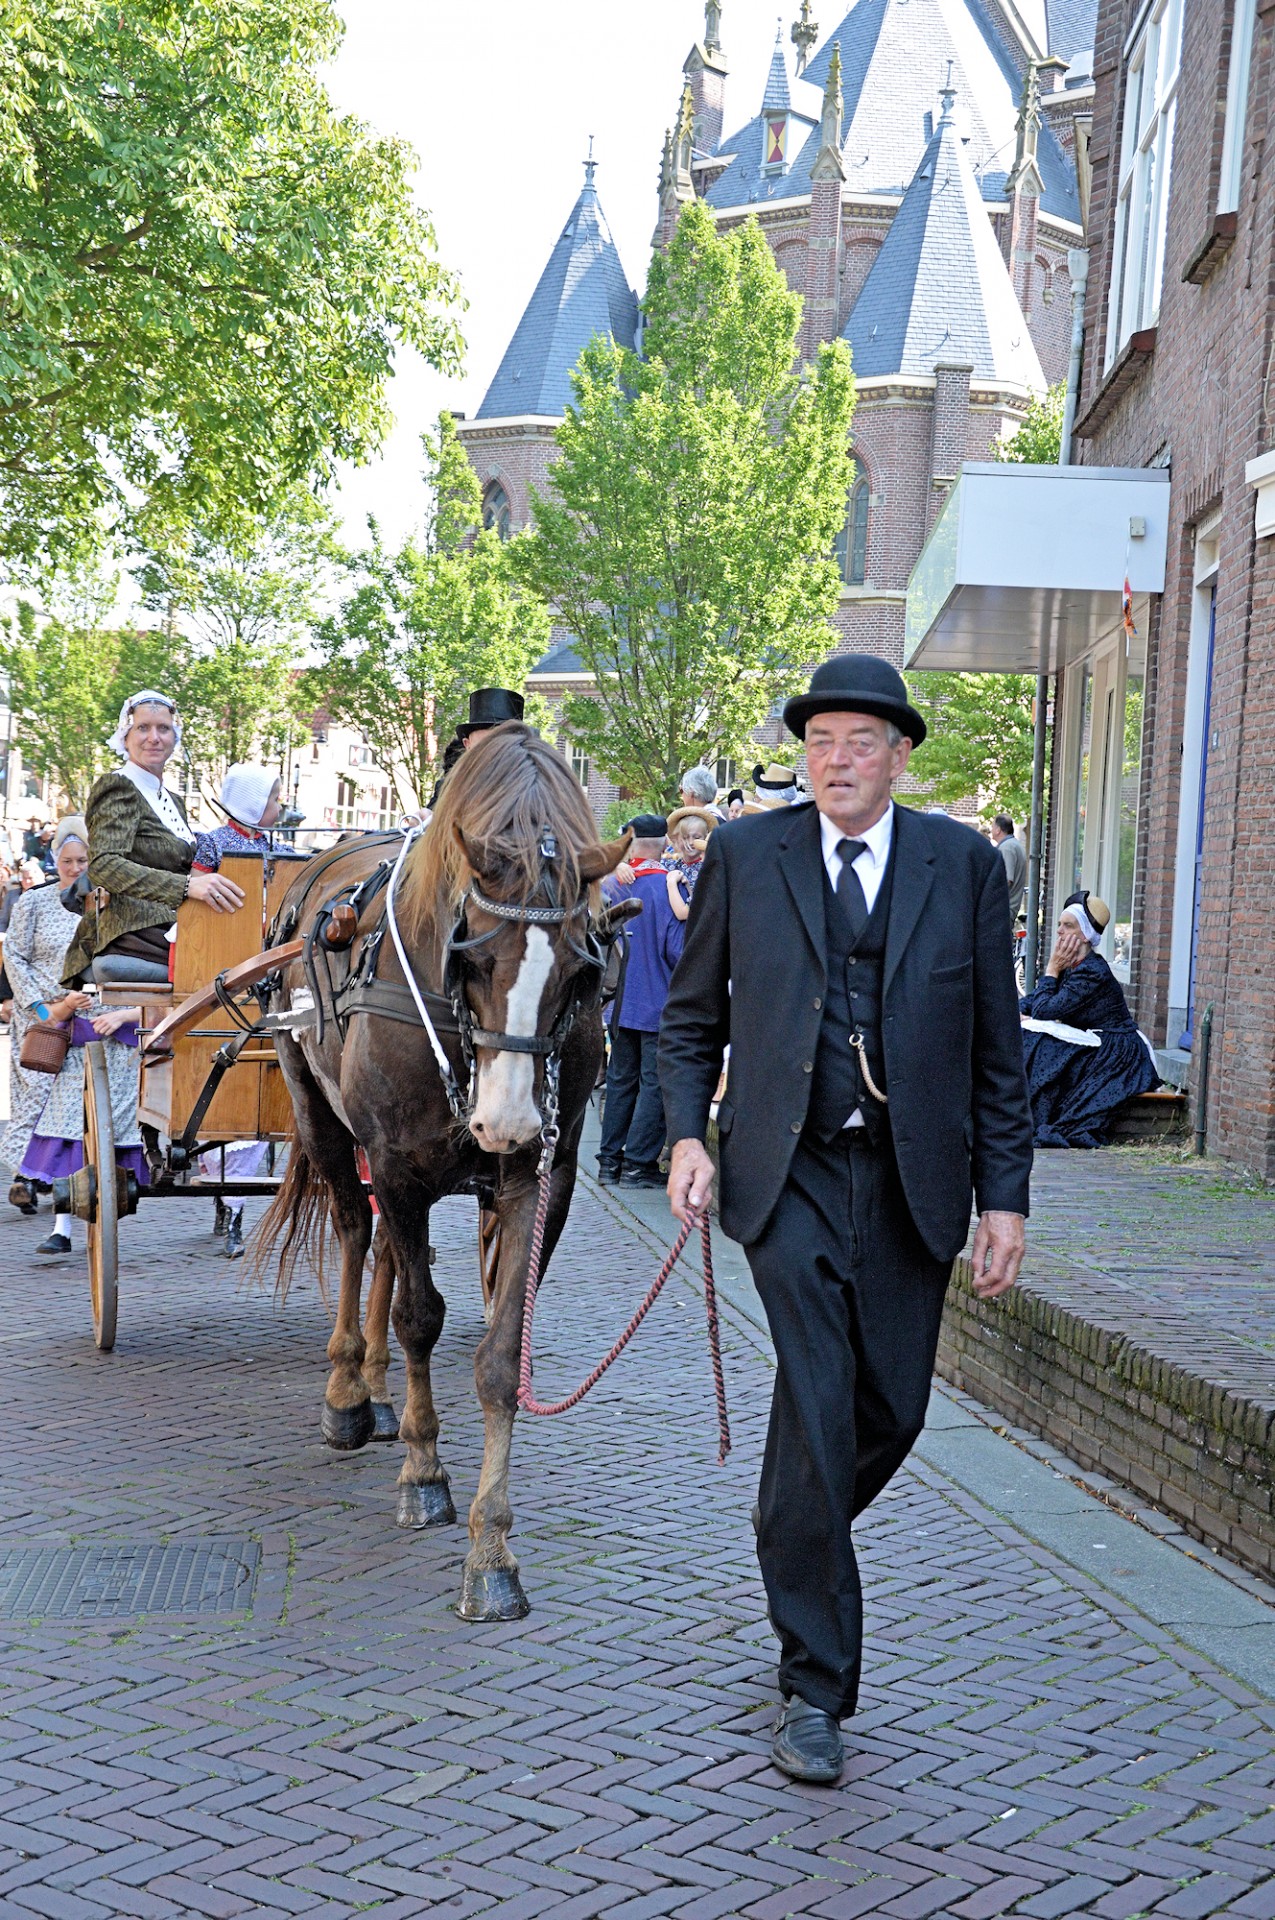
[917, 178]
[1179, 375]
[1177, 386]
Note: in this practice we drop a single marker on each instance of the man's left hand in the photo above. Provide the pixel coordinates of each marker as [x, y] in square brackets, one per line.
[999, 1246]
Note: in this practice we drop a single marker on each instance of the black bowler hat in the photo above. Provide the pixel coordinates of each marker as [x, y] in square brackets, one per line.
[647, 826]
[488, 706]
[856, 683]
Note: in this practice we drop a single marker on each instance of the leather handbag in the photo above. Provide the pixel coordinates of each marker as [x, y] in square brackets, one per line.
[45, 1046]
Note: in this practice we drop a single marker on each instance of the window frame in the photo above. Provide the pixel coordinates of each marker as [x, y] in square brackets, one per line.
[1239, 74]
[1144, 175]
[850, 549]
[501, 518]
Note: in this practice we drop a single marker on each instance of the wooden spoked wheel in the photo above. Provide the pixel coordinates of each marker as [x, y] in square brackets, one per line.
[103, 1231]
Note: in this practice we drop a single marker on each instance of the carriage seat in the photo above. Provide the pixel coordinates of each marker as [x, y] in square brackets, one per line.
[127, 993]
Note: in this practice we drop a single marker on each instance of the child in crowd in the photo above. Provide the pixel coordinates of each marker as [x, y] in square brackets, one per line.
[250, 799]
[688, 831]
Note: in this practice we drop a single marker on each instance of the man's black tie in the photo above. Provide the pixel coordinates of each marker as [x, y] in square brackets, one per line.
[850, 887]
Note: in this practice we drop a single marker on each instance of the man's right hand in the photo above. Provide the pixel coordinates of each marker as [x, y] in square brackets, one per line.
[690, 1180]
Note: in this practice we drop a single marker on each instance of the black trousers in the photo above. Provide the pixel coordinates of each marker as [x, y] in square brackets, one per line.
[633, 1121]
[854, 1300]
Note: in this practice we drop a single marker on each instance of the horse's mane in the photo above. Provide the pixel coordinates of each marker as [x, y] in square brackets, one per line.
[502, 793]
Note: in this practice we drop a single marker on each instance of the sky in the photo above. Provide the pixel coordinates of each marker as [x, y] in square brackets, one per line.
[498, 99]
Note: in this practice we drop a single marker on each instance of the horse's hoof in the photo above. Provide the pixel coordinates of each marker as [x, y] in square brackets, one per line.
[384, 1421]
[347, 1428]
[425, 1506]
[495, 1594]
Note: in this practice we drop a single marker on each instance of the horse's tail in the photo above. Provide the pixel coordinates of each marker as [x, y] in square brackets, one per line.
[298, 1215]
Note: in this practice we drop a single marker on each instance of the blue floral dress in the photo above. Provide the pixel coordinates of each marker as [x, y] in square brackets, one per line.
[1075, 1089]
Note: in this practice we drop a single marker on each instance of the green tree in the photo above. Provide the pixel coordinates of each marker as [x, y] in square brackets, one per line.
[425, 625]
[205, 269]
[980, 739]
[68, 671]
[684, 538]
[62, 669]
[248, 591]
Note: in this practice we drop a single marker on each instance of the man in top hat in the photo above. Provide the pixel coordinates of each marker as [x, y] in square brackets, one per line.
[488, 707]
[855, 954]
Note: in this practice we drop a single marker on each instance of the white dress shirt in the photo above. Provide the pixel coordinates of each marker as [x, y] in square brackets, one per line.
[869, 865]
[158, 799]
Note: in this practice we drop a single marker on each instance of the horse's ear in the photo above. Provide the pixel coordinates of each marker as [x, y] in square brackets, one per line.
[596, 862]
[612, 918]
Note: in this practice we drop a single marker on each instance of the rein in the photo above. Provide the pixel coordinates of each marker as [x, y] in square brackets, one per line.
[526, 1396]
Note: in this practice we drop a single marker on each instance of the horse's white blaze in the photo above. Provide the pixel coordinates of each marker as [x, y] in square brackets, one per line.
[505, 1107]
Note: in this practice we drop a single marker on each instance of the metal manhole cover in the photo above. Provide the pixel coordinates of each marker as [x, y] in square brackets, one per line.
[102, 1583]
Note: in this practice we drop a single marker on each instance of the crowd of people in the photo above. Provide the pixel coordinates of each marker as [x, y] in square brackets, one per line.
[134, 858]
[1083, 1052]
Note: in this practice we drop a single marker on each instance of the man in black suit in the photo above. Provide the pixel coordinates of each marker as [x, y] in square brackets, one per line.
[856, 956]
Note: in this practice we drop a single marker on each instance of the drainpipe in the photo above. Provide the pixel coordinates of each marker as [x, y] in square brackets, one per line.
[1078, 268]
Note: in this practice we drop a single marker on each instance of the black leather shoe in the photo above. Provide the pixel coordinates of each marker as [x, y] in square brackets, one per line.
[56, 1243]
[807, 1743]
[609, 1172]
[642, 1176]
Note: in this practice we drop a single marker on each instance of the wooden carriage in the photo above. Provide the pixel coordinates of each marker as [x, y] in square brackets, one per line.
[205, 1080]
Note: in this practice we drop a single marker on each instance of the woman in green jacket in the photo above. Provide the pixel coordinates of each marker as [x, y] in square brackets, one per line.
[141, 847]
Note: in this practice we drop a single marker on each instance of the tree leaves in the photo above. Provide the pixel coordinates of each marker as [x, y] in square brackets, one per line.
[424, 626]
[204, 268]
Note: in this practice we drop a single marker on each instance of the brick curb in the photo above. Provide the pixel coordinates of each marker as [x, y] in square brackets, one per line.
[1200, 1452]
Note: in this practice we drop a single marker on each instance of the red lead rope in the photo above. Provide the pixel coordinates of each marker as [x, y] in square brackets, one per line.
[527, 1399]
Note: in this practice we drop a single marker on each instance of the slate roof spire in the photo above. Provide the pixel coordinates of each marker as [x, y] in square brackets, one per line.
[583, 291]
[777, 97]
[939, 289]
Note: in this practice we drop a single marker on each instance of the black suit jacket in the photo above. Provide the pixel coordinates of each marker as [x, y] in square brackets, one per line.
[753, 973]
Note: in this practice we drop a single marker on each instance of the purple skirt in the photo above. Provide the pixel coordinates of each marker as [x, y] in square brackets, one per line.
[50, 1159]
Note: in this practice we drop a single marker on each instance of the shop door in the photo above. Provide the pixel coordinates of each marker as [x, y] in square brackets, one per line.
[1186, 1037]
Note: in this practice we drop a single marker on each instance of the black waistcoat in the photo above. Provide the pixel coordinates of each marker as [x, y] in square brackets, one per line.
[856, 971]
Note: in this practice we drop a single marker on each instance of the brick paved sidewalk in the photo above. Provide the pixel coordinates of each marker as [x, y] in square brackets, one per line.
[1142, 1340]
[1026, 1744]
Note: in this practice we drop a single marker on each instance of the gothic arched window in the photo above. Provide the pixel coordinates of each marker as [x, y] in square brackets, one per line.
[851, 548]
[497, 511]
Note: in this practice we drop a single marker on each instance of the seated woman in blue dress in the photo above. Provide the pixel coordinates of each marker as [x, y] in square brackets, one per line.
[1083, 1052]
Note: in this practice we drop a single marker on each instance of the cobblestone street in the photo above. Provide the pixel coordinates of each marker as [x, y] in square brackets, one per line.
[1028, 1743]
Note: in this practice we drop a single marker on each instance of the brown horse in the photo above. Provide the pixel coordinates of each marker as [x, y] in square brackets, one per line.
[497, 911]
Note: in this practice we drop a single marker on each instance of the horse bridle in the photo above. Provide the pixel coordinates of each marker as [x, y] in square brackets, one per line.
[586, 990]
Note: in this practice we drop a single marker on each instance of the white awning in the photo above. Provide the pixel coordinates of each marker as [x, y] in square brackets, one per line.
[1025, 565]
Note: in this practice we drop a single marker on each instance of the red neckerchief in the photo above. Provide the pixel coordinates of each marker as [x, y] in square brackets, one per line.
[643, 865]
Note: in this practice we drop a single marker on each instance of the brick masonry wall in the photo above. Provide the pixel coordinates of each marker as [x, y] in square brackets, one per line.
[1202, 403]
[518, 456]
[1195, 1451]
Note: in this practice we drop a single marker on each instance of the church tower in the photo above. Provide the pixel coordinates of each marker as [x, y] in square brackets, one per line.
[582, 291]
